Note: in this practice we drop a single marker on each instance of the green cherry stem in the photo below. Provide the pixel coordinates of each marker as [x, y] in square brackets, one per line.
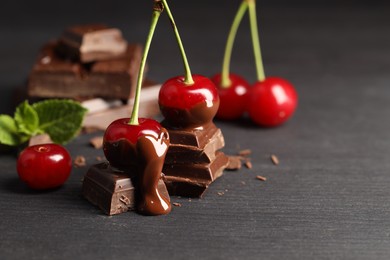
[256, 40]
[155, 16]
[188, 80]
[225, 80]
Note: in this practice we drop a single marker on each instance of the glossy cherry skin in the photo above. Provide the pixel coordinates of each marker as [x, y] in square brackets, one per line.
[44, 166]
[272, 102]
[188, 105]
[120, 130]
[233, 99]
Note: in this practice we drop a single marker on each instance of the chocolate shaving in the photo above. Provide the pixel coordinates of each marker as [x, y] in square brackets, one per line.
[79, 161]
[96, 142]
[245, 152]
[261, 178]
[234, 163]
[274, 159]
[221, 193]
[176, 204]
[248, 164]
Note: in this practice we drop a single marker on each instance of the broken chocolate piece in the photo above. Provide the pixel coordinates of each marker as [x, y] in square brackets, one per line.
[208, 172]
[198, 137]
[89, 43]
[234, 163]
[112, 190]
[57, 77]
[187, 154]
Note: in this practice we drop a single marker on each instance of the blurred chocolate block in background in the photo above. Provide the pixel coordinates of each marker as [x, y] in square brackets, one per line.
[90, 43]
[56, 77]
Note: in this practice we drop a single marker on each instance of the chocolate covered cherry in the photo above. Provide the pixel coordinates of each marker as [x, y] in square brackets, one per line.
[140, 149]
[188, 106]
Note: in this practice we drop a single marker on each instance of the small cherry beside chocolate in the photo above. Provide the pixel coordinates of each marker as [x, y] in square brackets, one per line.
[44, 166]
[272, 102]
[234, 98]
[188, 106]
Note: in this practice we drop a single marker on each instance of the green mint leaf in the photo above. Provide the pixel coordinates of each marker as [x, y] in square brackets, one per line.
[26, 119]
[8, 131]
[60, 119]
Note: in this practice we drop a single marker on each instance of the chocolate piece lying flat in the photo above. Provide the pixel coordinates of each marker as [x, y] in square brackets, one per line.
[88, 43]
[198, 137]
[208, 172]
[53, 76]
[111, 190]
[186, 154]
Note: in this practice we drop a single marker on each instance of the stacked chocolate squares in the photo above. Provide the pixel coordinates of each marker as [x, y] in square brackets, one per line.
[95, 65]
[194, 160]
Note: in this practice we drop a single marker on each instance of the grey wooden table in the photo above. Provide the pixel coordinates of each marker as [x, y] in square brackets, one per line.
[328, 199]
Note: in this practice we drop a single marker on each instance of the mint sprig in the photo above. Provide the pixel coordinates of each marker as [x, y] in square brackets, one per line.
[60, 119]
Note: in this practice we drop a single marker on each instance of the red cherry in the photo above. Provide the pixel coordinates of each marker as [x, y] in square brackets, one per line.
[121, 137]
[233, 99]
[272, 102]
[44, 166]
[188, 105]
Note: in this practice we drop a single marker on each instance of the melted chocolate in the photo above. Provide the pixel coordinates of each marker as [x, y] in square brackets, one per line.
[197, 116]
[147, 156]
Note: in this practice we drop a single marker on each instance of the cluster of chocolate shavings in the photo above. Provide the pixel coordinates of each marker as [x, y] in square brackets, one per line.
[242, 158]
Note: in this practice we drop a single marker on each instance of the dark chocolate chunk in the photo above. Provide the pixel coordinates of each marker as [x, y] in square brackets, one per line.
[89, 43]
[197, 137]
[53, 76]
[187, 154]
[199, 172]
[112, 190]
[185, 187]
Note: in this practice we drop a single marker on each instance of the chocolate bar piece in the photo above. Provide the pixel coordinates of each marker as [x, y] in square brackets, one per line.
[194, 187]
[208, 172]
[89, 43]
[53, 76]
[111, 190]
[187, 154]
[198, 137]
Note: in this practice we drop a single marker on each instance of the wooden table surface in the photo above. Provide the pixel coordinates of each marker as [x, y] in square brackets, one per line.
[329, 197]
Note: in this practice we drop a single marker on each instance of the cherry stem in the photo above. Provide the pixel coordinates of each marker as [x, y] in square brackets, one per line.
[134, 114]
[188, 80]
[256, 40]
[225, 80]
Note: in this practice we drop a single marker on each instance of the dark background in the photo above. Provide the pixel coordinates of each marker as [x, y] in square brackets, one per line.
[328, 198]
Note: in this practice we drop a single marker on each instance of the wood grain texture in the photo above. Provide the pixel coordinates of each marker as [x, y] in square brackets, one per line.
[327, 199]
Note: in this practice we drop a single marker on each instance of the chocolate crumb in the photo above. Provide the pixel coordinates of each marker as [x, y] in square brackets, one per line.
[234, 163]
[274, 159]
[176, 204]
[46, 60]
[245, 152]
[261, 178]
[79, 161]
[248, 164]
[99, 158]
[243, 182]
[96, 142]
[189, 200]
[221, 193]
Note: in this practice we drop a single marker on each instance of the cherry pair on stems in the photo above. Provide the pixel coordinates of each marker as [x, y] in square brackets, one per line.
[270, 101]
[187, 101]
